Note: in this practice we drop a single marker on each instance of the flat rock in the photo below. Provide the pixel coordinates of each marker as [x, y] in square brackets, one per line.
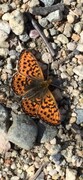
[55, 16]
[23, 132]
[46, 132]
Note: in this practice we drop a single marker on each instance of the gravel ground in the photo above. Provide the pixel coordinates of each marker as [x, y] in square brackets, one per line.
[29, 148]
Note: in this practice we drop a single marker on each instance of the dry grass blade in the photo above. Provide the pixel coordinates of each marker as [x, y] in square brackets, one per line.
[38, 171]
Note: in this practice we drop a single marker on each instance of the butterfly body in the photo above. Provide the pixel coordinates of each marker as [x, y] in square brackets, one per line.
[37, 100]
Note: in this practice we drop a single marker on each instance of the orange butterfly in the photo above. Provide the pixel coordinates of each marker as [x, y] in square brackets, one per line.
[29, 83]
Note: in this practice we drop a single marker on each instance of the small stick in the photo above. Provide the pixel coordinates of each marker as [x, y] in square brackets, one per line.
[42, 36]
[38, 172]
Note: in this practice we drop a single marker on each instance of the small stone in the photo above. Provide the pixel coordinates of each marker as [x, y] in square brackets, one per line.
[56, 158]
[6, 17]
[62, 38]
[3, 36]
[4, 144]
[4, 26]
[70, 18]
[46, 33]
[55, 16]
[4, 76]
[4, 7]
[52, 31]
[72, 120]
[64, 75]
[75, 37]
[16, 22]
[46, 58]
[32, 45]
[33, 34]
[14, 178]
[33, 3]
[3, 118]
[81, 37]
[78, 27]
[31, 170]
[46, 132]
[48, 3]
[4, 44]
[78, 70]
[79, 113]
[68, 30]
[43, 22]
[24, 37]
[80, 47]
[71, 174]
[23, 127]
[71, 46]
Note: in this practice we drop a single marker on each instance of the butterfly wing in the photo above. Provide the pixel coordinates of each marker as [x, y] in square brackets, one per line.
[30, 107]
[18, 84]
[27, 67]
[48, 110]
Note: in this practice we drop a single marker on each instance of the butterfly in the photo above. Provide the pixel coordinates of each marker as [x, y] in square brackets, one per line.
[28, 82]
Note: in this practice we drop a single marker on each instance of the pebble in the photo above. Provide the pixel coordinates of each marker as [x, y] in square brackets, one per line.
[24, 37]
[4, 143]
[48, 3]
[33, 3]
[15, 178]
[55, 158]
[62, 38]
[71, 174]
[33, 34]
[78, 70]
[81, 37]
[46, 132]
[68, 30]
[79, 113]
[71, 46]
[46, 58]
[80, 47]
[75, 37]
[53, 31]
[4, 7]
[4, 26]
[23, 127]
[4, 44]
[3, 36]
[4, 116]
[70, 18]
[78, 27]
[55, 16]
[43, 22]
[16, 22]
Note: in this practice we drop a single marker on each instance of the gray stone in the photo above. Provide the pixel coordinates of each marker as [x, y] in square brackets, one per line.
[46, 132]
[53, 31]
[55, 16]
[16, 22]
[48, 3]
[23, 132]
[79, 113]
[3, 117]
[56, 158]
[24, 37]
[78, 70]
